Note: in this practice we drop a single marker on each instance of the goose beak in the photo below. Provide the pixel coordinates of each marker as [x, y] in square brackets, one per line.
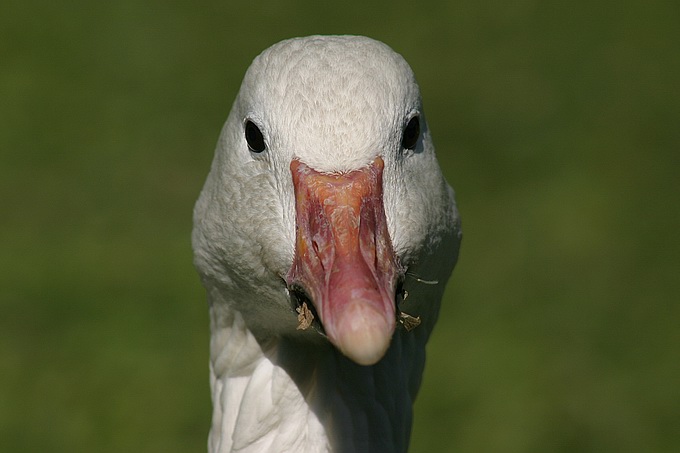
[344, 261]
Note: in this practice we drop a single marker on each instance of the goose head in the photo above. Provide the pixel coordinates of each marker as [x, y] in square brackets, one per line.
[324, 196]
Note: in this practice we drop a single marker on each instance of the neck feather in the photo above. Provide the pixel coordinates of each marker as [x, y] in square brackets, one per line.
[286, 395]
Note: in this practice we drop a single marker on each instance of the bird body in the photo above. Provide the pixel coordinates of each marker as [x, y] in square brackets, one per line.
[323, 201]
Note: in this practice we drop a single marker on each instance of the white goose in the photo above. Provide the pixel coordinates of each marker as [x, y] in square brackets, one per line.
[325, 205]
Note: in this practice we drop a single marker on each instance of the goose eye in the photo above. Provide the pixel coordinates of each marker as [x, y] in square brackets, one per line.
[254, 137]
[411, 133]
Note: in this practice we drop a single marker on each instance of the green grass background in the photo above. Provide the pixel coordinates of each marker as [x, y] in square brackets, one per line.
[556, 122]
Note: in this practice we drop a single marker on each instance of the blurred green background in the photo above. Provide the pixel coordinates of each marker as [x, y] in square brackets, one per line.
[556, 122]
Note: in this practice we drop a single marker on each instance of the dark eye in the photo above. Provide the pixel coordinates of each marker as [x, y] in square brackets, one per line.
[254, 137]
[411, 133]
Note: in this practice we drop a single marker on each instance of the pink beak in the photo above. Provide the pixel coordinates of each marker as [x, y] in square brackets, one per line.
[344, 260]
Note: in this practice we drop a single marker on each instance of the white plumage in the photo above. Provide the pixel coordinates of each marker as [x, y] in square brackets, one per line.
[332, 112]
